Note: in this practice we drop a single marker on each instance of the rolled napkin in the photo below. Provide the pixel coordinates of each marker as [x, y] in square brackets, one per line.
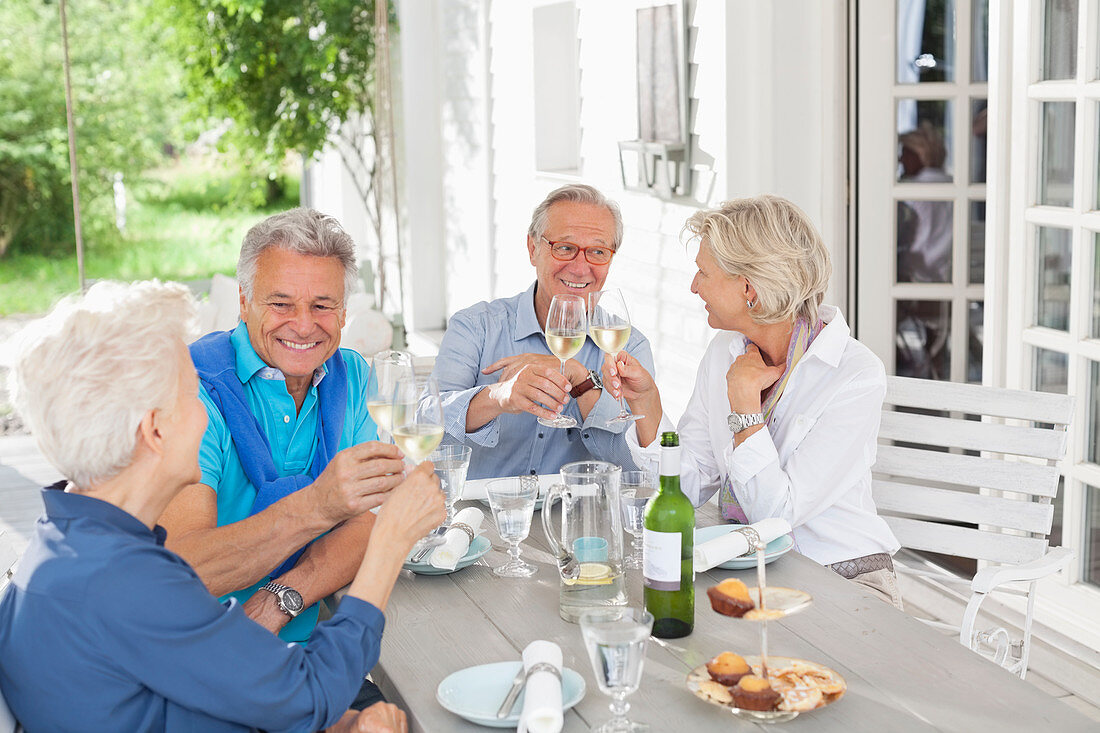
[542, 698]
[457, 540]
[734, 544]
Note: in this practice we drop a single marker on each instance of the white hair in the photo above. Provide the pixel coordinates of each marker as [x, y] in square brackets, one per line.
[86, 375]
[577, 193]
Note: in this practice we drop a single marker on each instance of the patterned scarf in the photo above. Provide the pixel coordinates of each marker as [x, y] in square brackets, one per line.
[801, 338]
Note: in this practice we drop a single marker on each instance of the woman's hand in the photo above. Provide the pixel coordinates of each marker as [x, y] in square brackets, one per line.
[624, 376]
[413, 509]
[747, 377]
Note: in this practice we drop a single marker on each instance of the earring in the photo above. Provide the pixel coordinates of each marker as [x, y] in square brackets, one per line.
[751, 304]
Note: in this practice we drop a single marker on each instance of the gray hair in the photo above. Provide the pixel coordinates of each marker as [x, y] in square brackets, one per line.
[86, 375]
[577, 193]
[775, 246]
[304, 231]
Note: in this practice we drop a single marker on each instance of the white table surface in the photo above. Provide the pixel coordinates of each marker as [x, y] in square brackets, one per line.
[901, 674]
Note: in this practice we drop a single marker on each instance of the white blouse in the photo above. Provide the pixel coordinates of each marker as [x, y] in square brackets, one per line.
[811, 463]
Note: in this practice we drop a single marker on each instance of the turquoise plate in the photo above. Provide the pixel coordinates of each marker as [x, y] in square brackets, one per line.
[776, 548]
[478, 547]
[475, 693]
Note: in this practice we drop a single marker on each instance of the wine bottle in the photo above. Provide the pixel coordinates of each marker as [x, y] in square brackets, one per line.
[668, 557]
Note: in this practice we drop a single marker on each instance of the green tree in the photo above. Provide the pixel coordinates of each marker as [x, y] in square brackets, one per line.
[293, 75]
[124, 94]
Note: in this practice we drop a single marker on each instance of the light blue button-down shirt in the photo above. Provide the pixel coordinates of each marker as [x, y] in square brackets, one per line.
[292, 434]
[510, 445]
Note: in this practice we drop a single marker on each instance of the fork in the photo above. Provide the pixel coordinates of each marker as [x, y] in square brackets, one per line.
[423, 553]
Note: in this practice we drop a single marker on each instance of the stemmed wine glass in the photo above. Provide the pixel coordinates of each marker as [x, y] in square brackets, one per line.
[566, 324]
[616, 639]
[386, 368]
[417, 416]
[609, 325]
[636, 488]
[513, 503]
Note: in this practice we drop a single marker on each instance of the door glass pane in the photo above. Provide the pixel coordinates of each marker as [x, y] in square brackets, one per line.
[1094, 330]
[975, 323]
[977, 243]
[1092, 454]
[1058, 502]
[1056, 161]
[925, 147]
[1092, 535]
[1053, 271]
[1059, 39]
[1096, 151]
[1051, 371]
[923, 339]
[979, 40]
[977, 140]
[926, 41]
[924, 241]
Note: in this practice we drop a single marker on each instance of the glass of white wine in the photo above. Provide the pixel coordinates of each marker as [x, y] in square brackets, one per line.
[609, 326]
[566, 324]
[386, 368]
[417, 416]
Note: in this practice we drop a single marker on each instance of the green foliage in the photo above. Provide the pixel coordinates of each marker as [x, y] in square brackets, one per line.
[287, 72]
[125, 93]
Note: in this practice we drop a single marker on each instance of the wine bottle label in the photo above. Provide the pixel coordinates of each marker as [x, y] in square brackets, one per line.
[661, 560]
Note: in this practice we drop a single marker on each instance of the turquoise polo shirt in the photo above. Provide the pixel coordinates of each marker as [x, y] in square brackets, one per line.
[292, 436]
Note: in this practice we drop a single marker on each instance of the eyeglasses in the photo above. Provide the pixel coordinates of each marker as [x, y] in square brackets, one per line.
[566, 251]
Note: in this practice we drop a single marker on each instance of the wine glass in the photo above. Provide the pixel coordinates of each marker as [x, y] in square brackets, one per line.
[616, 639]
[451, 464]
[417, 416]
[566, 323]
[513, 503]
[386, 368]
[609, 325]
[636, 488]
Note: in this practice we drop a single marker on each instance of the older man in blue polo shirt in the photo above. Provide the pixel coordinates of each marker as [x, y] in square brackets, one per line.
[103, 628]
[496, 373]
[290, 458]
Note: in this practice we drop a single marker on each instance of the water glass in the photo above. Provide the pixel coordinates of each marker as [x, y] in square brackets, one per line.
[636, 488]
[616, 639]
[451, 464]
[513, 503]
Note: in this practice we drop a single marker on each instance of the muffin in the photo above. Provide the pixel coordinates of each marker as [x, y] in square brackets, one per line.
[754, 693]
[730, 598]
[727, 668]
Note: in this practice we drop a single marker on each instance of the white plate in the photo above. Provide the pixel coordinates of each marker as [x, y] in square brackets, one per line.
[475, 693]
[776, 548]
[475, 489]
[478, 547]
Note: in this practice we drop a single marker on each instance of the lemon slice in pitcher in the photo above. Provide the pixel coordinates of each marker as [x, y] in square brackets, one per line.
[592, 573]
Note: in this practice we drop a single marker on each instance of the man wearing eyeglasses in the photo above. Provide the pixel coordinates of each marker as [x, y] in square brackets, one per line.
[496, 373]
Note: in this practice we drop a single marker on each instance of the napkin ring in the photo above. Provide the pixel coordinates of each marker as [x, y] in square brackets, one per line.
[544, 667]
[465, 528]
[752, 536]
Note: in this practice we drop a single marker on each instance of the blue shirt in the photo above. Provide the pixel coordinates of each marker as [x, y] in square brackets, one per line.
[103, 629]
[510, 445]
[292, 435]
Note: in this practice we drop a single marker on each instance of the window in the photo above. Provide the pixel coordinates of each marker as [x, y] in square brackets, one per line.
[557, 88]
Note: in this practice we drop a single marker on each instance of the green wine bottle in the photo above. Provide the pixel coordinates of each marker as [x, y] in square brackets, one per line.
[668, 559]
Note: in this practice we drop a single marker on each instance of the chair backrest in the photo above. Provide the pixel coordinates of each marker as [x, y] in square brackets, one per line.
[932, 468]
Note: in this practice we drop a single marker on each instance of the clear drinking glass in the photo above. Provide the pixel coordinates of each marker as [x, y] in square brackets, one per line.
[609, 326]
[386, 368]
[417, 416]
[566, 325]
[451, 464]
[636, 488]
[513, 503]
[616, 639]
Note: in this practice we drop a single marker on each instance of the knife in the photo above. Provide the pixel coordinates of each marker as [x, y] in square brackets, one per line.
[510, 698]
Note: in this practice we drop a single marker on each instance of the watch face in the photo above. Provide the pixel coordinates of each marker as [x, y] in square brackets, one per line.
[292, 599]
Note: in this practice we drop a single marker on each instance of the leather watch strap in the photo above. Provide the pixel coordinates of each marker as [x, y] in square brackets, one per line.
[592, 381]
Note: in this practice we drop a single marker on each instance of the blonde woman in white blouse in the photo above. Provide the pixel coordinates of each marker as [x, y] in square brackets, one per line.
[784, 418]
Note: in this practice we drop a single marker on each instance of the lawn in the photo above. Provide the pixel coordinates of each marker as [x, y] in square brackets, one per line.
[181, 224]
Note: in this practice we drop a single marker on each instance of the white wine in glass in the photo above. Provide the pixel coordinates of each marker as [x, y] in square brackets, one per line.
[566, 327]
[418, 427]
[386, 368]
[609, 326]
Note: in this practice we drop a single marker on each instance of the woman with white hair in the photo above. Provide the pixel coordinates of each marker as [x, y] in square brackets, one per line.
[785, 413]
[102, 627]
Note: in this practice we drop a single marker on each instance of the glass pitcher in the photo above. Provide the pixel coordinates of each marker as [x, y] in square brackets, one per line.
[589, 547]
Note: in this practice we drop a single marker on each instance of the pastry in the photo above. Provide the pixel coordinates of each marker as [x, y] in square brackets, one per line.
[754, 693]
[715, 691]
[727, 668]
[730, 598]
[801, 700]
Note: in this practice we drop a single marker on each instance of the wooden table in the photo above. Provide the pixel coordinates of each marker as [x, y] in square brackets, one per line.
[901, 674]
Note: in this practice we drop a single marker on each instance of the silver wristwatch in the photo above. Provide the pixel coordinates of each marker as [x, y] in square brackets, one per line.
[739, 421]
[290, 600]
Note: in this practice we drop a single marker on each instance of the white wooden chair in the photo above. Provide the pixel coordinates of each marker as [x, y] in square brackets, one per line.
[998, 472]
[8, 557]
